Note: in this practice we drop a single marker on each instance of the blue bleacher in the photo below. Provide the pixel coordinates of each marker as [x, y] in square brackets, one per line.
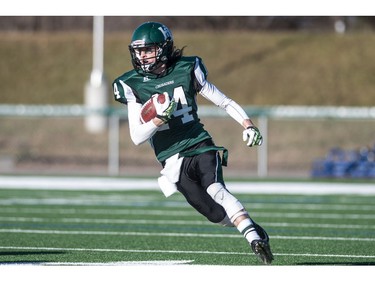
[340, 163]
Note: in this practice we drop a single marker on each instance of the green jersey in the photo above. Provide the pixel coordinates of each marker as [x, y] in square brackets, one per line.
[184, 129]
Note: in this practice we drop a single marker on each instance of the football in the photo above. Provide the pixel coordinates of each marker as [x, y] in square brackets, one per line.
[148, 110]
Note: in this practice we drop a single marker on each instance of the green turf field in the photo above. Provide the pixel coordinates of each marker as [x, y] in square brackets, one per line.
[118, 227]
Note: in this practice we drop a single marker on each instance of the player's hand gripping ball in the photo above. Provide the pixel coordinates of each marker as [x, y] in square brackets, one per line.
[159, 105]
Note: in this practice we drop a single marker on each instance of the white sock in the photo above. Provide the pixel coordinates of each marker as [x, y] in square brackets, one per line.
[247, 229]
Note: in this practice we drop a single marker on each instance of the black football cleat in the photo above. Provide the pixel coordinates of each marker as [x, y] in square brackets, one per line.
[261, 232]
[261, 248]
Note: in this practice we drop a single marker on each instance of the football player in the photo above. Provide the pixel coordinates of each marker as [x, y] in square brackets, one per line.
[192, 163]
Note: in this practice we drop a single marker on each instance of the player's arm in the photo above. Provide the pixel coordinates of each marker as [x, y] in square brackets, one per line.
[139, 133]
[213, 94]
[251, 134]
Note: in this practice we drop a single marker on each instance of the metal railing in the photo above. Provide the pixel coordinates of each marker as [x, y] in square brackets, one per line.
[115, 114]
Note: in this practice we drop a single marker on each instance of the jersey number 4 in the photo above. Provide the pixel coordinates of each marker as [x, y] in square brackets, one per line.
[185, 110]
[178, 96]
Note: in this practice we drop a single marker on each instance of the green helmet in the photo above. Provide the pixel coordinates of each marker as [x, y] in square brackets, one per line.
[151, 34]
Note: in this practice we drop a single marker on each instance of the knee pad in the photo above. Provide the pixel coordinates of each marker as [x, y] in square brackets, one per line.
[223, 197]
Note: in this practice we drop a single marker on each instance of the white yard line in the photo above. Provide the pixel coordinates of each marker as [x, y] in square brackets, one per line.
[119, 263]
[180, 214]
[97, 183]
[177, 252]
[171, 234]
[177, 222]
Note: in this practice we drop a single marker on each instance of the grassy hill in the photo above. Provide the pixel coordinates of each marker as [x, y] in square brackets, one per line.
[253, 68]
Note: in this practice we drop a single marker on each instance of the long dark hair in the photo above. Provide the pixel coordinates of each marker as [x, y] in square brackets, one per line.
[176, 55]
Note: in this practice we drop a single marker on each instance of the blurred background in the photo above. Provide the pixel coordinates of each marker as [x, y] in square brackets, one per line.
[306, 81]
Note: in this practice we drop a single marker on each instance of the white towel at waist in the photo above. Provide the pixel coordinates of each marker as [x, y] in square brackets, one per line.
[170, 175]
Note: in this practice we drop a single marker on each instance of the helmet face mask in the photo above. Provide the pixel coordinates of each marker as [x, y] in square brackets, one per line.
[147, 57]
[146, 36]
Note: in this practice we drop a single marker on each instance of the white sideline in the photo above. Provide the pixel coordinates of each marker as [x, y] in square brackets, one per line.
[102, 183]
[120, 263]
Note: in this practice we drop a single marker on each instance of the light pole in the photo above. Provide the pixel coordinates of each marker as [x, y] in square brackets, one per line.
[96, 88]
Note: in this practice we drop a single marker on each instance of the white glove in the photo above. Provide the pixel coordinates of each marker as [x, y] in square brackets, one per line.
[164, 106]
[252, 136]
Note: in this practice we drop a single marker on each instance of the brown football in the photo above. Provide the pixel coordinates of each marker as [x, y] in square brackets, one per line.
[148, 111]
